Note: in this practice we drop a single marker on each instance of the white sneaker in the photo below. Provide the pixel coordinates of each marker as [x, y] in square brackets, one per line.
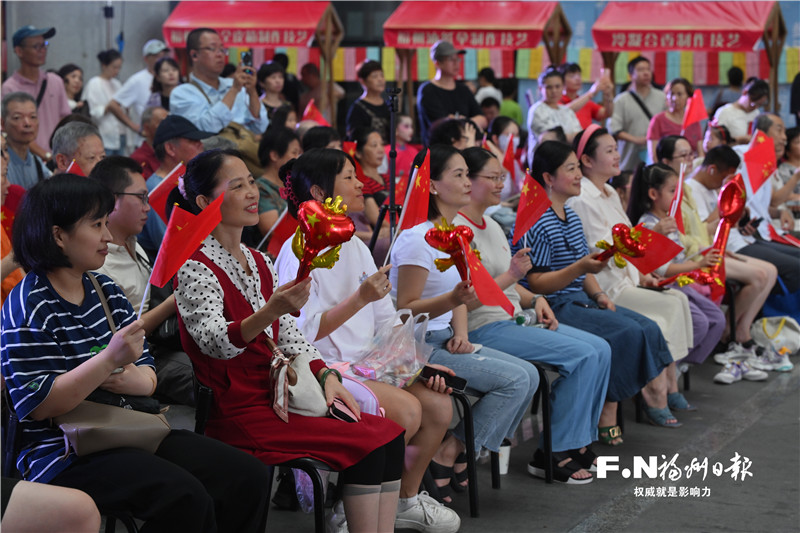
[335, 520]
[737, 371]
[779, 362]
[428, 516]
[735, 352]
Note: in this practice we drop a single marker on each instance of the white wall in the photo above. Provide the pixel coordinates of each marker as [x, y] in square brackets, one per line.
[81, 31]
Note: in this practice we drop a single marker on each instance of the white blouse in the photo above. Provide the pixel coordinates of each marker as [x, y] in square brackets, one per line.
[200, 303]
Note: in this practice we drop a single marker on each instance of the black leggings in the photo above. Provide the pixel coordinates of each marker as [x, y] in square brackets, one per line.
[380, 465]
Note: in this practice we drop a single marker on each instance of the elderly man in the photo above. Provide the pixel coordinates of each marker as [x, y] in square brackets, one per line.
[47, 89]
[211, 102]
[79, 142]
[135, 92]
[20, 122]
[443, 96]
[144, 154]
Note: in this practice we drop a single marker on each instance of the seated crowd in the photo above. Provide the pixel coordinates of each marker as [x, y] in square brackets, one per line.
[80, 235]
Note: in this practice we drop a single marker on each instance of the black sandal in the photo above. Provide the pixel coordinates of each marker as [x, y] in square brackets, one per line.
[439, 471]
[585, 459]
[561, 474]
[459, 477]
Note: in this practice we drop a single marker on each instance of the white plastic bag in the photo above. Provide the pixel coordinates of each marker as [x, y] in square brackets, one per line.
[779, 331]
[397, 352]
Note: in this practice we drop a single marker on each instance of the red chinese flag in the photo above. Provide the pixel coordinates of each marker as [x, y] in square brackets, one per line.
[185, 233]
[284, 229]
[508, 158]
[675, 206]
[695, 110]
[75, 168]
[485, 144]
[486, 288]
[533, 202]
[158, 196]
[311, 112]
[786, 238]
[415, 206]
[760, 160]
[400, 189]
[658, 249]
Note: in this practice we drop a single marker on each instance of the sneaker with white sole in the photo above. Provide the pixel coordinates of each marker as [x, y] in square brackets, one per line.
[428, 516]
[778, 361]
[735, 352]
[737, 371]
[335, 520]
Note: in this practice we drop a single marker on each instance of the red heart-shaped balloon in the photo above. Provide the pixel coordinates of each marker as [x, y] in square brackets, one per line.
[625, 242]
[731, 201]
[445, 239]
[323, 226]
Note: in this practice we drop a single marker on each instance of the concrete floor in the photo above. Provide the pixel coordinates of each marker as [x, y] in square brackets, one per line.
[757, 420]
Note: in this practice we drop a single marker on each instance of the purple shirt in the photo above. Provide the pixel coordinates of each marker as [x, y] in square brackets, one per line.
[54, 105]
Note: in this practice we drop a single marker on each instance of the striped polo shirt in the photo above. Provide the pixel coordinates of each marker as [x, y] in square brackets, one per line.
[44, 336]
[555, 244]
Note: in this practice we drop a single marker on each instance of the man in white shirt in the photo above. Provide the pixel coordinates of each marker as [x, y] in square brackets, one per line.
[135, 92]
[211, 102]
[629, 121]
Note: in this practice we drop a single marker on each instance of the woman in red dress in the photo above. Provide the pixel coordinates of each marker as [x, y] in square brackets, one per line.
[228, 302]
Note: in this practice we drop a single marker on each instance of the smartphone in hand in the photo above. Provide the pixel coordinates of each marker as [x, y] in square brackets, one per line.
[454, 382]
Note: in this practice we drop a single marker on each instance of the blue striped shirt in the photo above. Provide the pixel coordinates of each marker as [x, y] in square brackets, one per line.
[44, 336]
[555, 244]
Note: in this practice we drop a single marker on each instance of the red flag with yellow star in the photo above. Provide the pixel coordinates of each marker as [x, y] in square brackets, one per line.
[415, 206]
[158, 196]
[695, 110]
[658, 249]
[400, 189]
[486, 288]
[508, 157]
[760, 160]
[533, 202]
[312, 112]
[185, 233]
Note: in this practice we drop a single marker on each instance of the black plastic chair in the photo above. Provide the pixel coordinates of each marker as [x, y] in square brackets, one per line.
[205, 397]
[12, 444]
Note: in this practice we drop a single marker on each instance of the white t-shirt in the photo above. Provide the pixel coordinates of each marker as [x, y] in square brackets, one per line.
[412, 249]
[542, 117]
[134, 94]
[330, 287]
[99, 92]
[491, 242]
[736, 120]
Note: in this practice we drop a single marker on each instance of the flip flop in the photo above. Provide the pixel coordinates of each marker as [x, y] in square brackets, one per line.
[659, 417]
[677, 402]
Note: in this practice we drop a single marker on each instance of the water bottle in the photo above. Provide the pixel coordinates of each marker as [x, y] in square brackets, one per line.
[526, 318]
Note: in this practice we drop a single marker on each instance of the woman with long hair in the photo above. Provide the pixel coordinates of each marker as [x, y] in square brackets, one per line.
[277, 146]
[348, 305]
[73, 85]
[505, 383]
[229, 302]
[166, 76]
[582, 359]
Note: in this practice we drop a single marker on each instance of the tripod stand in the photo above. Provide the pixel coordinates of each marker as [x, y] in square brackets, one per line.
[392, 208]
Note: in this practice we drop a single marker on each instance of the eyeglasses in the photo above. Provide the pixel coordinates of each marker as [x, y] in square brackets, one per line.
[221, 50]
[496, 179]
[39, 46]
[686, 155]
[143, 196]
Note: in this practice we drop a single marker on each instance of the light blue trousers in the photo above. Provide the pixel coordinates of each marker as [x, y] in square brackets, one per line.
[583, 361]
[504, 383]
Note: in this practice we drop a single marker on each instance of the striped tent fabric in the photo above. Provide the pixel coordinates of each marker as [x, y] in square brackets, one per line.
[701, 68]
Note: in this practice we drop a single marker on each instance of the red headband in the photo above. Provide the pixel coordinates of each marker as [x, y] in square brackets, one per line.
[587, 133]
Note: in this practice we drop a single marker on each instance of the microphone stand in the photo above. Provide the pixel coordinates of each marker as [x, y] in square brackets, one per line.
[392, 208]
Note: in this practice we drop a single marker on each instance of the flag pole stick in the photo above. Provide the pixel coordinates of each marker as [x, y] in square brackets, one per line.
[275, 225]
[145, 297]
[403, 212]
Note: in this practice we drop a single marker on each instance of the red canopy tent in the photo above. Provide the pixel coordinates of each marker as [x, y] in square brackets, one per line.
[693, 26]
[498, 25]
[263, 25]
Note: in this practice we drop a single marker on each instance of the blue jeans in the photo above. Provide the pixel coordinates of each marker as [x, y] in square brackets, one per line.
[504, 383]
[583, 361]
